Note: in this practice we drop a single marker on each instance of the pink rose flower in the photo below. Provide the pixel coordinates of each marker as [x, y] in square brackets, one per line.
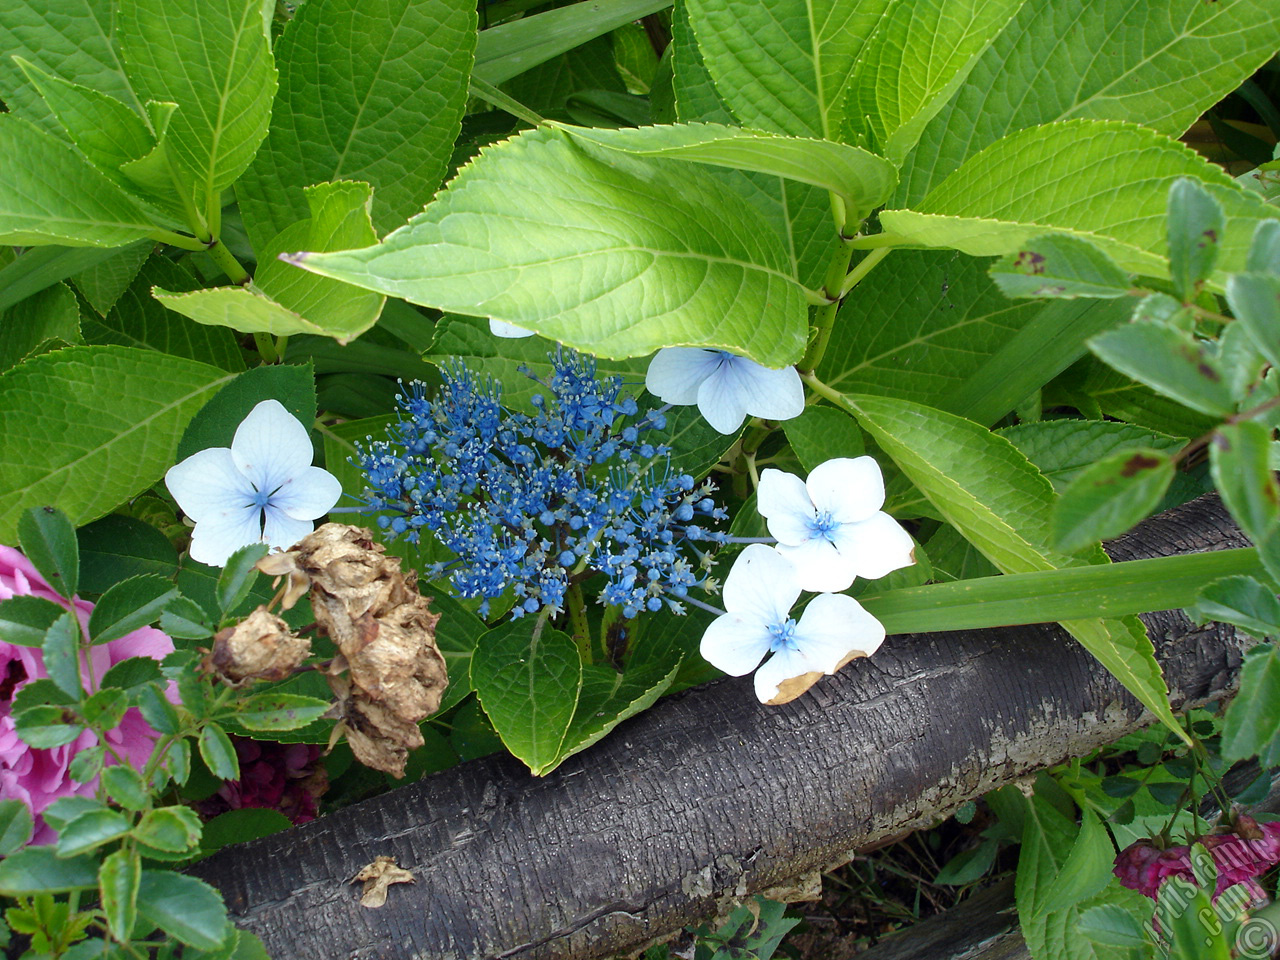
[39, 777]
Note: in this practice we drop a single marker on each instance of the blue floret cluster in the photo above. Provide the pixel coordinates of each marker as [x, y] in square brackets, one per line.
[538, 503]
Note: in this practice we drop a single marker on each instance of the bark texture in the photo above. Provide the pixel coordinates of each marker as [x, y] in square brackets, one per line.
[709, 796]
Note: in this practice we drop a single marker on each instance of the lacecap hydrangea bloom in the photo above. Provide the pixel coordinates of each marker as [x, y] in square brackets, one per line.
[38, 777]
[727, 388]
[535, 503]
[262, 488]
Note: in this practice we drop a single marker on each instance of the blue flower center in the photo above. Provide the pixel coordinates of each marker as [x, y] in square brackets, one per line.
[782, 636]
[823, 525]
[260, 499]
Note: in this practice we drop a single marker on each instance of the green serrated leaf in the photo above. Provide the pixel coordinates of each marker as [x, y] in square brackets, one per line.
[1061, 59]
[24, 620]
[55, 196]
[1195, 236]
[1241, 601]
[102, 283]
[279, 711]
[107, 405]
[859, 178]
[1060, 266]
[38, 870]
[1264, 250]
[118, 881]
[128, 605]
[368, 91]
[213, 61]
[60, 653]
[47, 320]
[238, 576]
[48, 539]
[218, 753]
[125, 786]
[1054, 178]
[105, 709]
[157, 710]
[117, 547]
[1110, 925]
[1255, 301]
[215, 425]
[184, 907]
[237, 826]
[648, 237]
[186, 619]
[1111, 496]
[91, 830]
[1239, 459]
[529, 687]
[821, 433]
[1252, 726]
[47, 727]
[131, 674]
[173, 829]
[16, 825]
[1171, 362]
[1063, 449]
[606, 699]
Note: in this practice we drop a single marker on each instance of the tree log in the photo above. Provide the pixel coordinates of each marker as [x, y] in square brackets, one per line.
[709, 796]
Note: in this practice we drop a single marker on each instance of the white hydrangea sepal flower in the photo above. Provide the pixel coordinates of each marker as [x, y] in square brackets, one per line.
[261, 488]
[508, 331]
[758, 595]
[831, 526]
[726, 388]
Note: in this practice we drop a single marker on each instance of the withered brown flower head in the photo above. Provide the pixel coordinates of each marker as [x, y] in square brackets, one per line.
[259, 647]
[385, 635]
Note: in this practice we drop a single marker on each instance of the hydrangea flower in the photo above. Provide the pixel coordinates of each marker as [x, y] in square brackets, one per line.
[537, 503]
[759, 593]
[1239, 859]
[262, 488]
[288, 777]
[726, 388]
[831, 526]
[38, 777]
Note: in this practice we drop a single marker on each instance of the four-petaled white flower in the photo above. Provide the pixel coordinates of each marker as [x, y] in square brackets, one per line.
[831, 527]
[508, 331]
[261, 488]
[725, 387]
[758, 595]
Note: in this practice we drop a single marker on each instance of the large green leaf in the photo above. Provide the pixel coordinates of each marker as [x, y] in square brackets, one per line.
[212, 59]
[783, 66]
[917, 58]
[102, 283]
[369, 91]
[54, 196]
[991, 493]
[1107, 182]
[88, 427]
[618, 257]
[282, 300]
[139, 320]
[607, 698]
[1061, 449]
[529, 687]
[1161, 65]
[38, 267]
[43, 321]
[184, 907]
[861, 179]
[70, 39]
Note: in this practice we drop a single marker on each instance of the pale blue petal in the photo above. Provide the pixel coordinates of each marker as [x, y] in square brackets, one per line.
[876, 546]
[850, 489]
[723, 396]
[283, 531]
[735, 644]
[271, 446]
[820, 568]
[777, 394]
[508, 331]
[783, 500]
[207, 484]
[217, 537]
[307, 495]
[676, 373]
[761, 585]
[782, 666]
[834, 629]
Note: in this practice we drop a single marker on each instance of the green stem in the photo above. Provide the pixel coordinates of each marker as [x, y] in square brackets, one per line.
[177, 239]
[578, 622]
[825, 317]
[266, 346]
[227, 261]
[487, 92]
[865, 266]
[1073, 593]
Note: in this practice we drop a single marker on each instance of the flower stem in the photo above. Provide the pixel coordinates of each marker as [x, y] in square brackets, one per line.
[227, 261]
[703, 606]
[864, 267]
[266, 346]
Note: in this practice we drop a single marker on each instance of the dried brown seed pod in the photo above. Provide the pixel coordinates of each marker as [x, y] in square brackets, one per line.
[259, 647]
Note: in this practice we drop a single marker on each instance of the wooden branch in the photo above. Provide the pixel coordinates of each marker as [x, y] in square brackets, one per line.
[709, 796]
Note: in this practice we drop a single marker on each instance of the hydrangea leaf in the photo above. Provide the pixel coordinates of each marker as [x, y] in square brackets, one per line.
[617, 258]
[1060, 266]
[102, 283]
[213, 60]
[529, 686]
[1104, 182]
[1158, 65]
[282, 300]
[821, 433]
[70, 39]
[38, 267]
[917, 58]
[1061, 449]
[608, 698]
[988, 490]
[783, 66]
[860, 178]
[55, 196]
[86, 428]
[369, 91]
[43, 321]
